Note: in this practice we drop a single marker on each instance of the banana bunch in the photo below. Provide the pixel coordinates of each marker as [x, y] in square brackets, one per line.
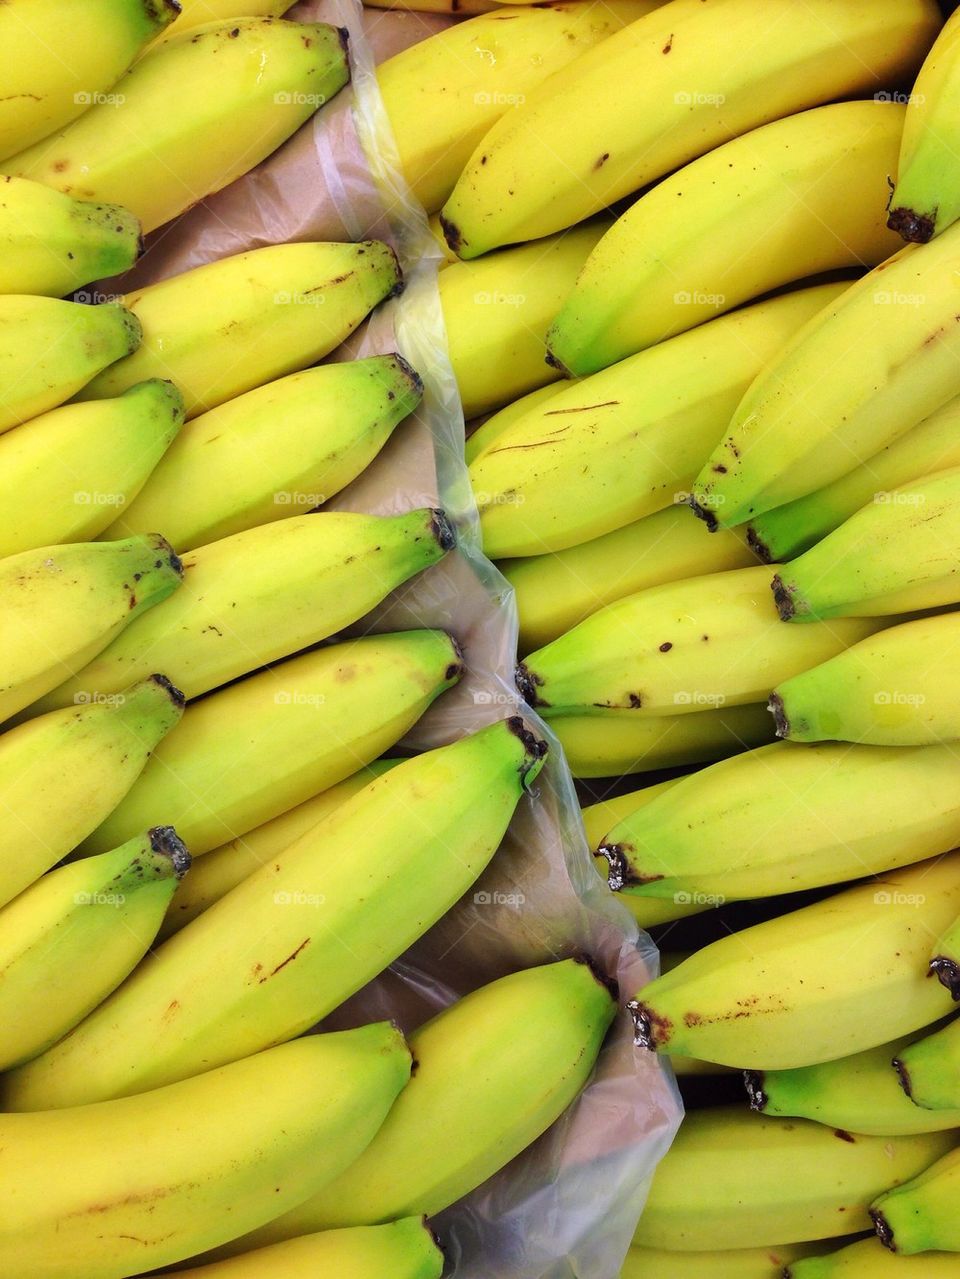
[920, 1215]
[929, 1070]
[868, 1259]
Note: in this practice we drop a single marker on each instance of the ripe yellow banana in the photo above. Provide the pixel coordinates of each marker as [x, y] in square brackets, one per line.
[278, 450]
[292, 942]
[261, 746]
[898, 554]
[479, 439]
[791, 199]
[60, 605]
[921, 1215]
[57, 62]
[496, 312]
[690, 76]
[160, 140]
[556, 592]
[62, 774]
[929, 1071]
[79, 932]
[868, 1259]
[731, 1263]
[196, 13]
[822, 982]
[677, 648]
[443, 93]
[627, 441]
[457, 7]
[876, 361]
[50, 349]
[100, 1192]
[254, 598]
[64, 475]
[224, 328]
[736, 1180]
[785, 818]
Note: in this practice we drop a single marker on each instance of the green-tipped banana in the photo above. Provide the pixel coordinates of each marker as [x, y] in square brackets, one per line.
[921, 1216]
[294, 729]
[784, 818]
[64, 475]
[50, 349]
[731, 1263]
[160, 140]
[61, 605]
[70, 939]
[259, 596]
[736, 1180]
[896, 555]
[276, 451]
[868, 1259]
[292, 942]
[929, 1071]
[628, 441]
[63, 773]
[945, 962]
[859, 1094]
[822, 982]
[104, 1191]
[232, 325]
[678, 648]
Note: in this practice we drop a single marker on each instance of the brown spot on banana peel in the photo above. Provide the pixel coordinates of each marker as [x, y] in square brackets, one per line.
[703, 512]
[650, 1030]
[165, 841]
[443, 530]
[783, 599]
[947, 972]
[535, 747]
[883, 1229]
[557, 364]
[775, 707]
[758, 546]
[843, 1135]
[283, 963]
[458, 666]
[452, 233]
[621, 873]
[409, 372]
[753, 1082]
[527, 682]
[903, 1075]
[915, 228]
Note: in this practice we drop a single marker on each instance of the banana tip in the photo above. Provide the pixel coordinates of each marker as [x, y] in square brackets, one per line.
[947, 972]
[410, 373]
[610, 984]
[443, 530]
[527, 682]
[759, 547]
[915, 228]
[649, 1030]
[882, 1227]
[753, 1082]
[344, 37]
[166, 841]
[535, 747]
[619, 875]
[703, 512]
[784, 601]
[776, 709]
[903, 1074]
[171, 690]
[452, 234]
[556, 363]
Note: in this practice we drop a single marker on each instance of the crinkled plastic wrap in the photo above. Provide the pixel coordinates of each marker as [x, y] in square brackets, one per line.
[566, 1208]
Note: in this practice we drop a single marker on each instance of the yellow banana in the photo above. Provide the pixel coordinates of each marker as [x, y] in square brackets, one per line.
[690, 76]
[63, 475]
[791, 199]
[627, 441]
[261, 746]
[457, 7]
[224, 328]
[479, 439]
[929, 1071]
[868, 1259]
[160, 140]
[62, 774]
[61, 605]
[731, 1263]
[921, 1215]
[292, 942]
[78, 932]
[100, 1192]
[196, 13]
[496, 312]
[278, 450]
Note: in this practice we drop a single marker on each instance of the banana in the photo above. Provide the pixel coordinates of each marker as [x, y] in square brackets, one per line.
[480, 438]
[785, 818]
[610, 745]
[53, 244]
[786, 531]
[50, 349]
[404, 1249]
[53, 70]
[732, 1263]
[196, 13]
[868, 1259]
[292, 942]
[232, 325]
[925, 200]
[60, 605]
[602, 816]
[278, 450]
[160, 140]
[213, 876]
[690, 76]
[736, 1180]
[921, 1215]
[456, 7]
[443, 93]
[822, 982]
[945, 963]
[680, 647]
[822, 408]
[259, 596]
[929, 1071]
[496, 312]
[896, 555]
[858, 1094]
[79, 931]
[556, 592]
[100, 1192]
[788, 200]
[891, 689]
[626, 441]
[62, 774]
[63, 475]
[493, 1072]
[261, 746]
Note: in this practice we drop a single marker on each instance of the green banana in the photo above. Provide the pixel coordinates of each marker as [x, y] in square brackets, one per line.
[292, 942]
[263, 745]
[921, 1215]
[731, 1263]
[480, 438]
[868, 1259]
[929, 1071]
[278, 450]
[64, 474]
[61, 605]
[78, 932]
